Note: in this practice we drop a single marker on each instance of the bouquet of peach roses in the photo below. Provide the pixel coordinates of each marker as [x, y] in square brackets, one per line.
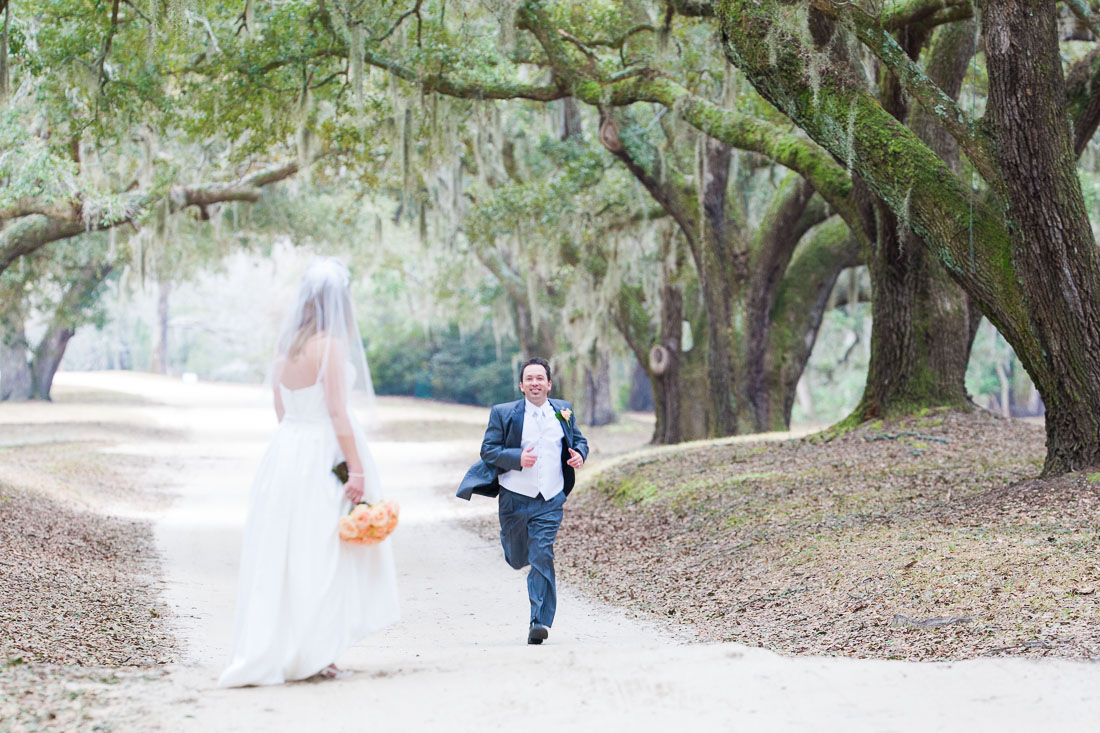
[369, 524]
[366, 524]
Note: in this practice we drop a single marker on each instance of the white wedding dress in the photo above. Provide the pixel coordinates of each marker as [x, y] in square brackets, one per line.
[304, 596]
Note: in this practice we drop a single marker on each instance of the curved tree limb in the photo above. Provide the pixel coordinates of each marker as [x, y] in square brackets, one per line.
[1083, 99]
[692, 8]
[645, 85]
[30, 233]
[740, 131]
[919, 12]
[453, 86]
[927, 93]
[802, 299]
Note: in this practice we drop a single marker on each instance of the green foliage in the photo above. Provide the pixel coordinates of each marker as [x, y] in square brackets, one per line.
[448, 365]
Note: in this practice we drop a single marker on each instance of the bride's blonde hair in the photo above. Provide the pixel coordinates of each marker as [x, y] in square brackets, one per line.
[323, 314]
[307, 328]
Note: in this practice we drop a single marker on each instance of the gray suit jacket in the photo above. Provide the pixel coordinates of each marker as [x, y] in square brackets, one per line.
[501, 451]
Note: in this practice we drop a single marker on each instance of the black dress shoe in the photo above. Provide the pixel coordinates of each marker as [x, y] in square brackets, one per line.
[537, 634]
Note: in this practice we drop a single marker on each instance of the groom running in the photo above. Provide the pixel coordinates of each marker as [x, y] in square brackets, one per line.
[530, 451]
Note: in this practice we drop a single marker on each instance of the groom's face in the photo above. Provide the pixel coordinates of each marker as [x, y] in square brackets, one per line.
[534, 384]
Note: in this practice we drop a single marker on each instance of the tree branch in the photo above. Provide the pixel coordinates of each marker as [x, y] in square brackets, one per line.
[619, 41]
[28, 205]
[789, 217]
[802, 298]
[943, 17]
[679, 204]
[509, 279]
[691, 8]
[30, 233]
[467, 89]
[248, 189]
[101, 62]
[415, 10]
[738, 130]
[644, 85]
[933, 99]
[629, 315]
[1083, 99]
[1084, 14]
[918, 11]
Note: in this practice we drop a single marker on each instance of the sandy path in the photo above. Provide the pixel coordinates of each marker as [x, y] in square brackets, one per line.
[458, 661]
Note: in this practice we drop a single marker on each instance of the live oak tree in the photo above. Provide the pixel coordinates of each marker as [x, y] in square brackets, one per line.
[1020, 244]
[764, 293]
[923, 326]
[61, 289]
[90, 117]
[343, 33]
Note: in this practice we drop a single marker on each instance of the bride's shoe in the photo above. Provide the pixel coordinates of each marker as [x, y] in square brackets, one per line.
[332, 672]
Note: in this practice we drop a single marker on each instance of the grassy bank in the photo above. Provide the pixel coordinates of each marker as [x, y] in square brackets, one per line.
[922, 539]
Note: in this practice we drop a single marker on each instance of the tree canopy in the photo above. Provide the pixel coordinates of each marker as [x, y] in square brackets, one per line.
[631, 176]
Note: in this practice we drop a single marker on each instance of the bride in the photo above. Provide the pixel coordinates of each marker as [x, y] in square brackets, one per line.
[304, 596]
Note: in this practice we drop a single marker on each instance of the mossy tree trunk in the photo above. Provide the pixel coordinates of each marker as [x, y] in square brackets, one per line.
[1054, 249]
[790, 267]
[33, 379]
[677, 378]
[16, 379]
[160, 348]
[920, 336]
[1024, 251]
[598, 409]
[705, 227]
[47, 359]
[801, 301]
[762, 347]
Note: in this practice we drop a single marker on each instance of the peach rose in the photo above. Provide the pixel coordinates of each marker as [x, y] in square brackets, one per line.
[362, 517]
[369, 525]
[348, 530]
[377, 516]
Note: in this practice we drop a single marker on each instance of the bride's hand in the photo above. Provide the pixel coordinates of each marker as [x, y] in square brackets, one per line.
[353, 489]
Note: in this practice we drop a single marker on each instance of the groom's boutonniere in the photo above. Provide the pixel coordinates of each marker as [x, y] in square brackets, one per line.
[563, 415]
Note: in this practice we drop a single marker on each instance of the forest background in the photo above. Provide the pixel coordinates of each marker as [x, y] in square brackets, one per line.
[170, 166]
[870, 218]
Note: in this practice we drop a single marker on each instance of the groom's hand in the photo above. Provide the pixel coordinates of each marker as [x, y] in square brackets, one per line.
[576, 460]
[528, 458]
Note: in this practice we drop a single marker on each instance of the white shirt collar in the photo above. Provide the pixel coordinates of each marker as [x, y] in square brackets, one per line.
[530, 408]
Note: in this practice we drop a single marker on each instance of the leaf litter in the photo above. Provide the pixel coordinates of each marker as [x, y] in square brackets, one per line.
[79, 605]
[920, 539]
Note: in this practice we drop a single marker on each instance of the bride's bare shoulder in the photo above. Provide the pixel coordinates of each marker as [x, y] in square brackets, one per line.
[322, 344]
[319, 350]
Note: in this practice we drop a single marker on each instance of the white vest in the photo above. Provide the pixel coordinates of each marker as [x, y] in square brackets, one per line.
[542, 430]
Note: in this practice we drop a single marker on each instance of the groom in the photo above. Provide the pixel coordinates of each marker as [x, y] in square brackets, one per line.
[528, 457]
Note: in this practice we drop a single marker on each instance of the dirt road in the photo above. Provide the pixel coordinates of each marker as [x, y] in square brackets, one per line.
[457, 661]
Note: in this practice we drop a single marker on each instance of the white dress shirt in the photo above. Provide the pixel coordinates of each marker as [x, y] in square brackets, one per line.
[542, 430]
